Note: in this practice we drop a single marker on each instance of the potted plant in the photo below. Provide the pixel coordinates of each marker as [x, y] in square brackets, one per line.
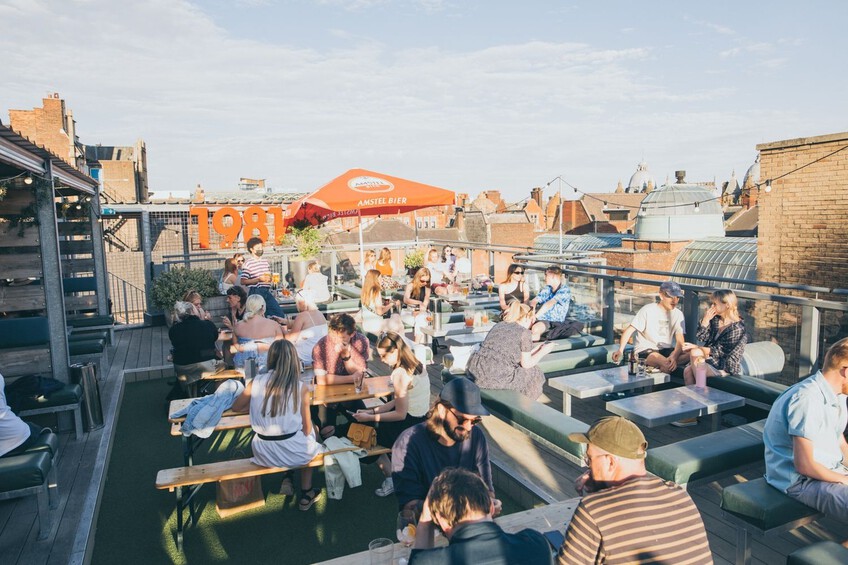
[307, 241]
[172, 285]
[413, 261]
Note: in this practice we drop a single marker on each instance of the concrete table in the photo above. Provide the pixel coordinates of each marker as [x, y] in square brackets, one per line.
[596, 383]
[453, 329]
[666, 406]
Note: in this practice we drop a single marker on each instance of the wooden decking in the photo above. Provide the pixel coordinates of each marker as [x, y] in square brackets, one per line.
[82, 468]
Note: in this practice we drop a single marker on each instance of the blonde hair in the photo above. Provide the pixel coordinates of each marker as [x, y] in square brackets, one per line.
[191, 296]
[284, 367]
[370, 253]
[417, 285]
[385, 255]
[370, 288]
[729, 299]
[255, 305]
[516, 311]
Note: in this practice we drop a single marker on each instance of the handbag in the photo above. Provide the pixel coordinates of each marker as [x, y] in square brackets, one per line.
[237, 495]
[362, 436]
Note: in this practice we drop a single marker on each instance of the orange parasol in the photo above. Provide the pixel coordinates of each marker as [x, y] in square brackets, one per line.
[365, 193]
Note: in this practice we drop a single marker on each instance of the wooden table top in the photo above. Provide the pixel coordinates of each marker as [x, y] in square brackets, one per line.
[373, 387]
[545, 518]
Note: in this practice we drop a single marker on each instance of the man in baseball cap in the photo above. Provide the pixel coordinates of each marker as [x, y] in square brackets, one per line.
[448, 437]
[658, 330]
[625, 513]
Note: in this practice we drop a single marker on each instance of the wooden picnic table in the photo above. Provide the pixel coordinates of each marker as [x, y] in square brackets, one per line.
[555, 516]
[373, 387]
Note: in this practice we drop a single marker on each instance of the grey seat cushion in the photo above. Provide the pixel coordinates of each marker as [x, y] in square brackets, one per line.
[821, 553]
[758, 390]
[762, 505]
[707, 455]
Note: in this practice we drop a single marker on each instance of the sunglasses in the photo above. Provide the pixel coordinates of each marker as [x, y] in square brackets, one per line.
[518, 272]
[460, 419]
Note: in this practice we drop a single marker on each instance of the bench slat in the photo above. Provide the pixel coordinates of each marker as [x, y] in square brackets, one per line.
[236, 469]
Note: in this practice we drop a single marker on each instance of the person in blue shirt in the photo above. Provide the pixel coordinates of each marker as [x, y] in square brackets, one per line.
[553, 302]
[459, 504]
[805, 448]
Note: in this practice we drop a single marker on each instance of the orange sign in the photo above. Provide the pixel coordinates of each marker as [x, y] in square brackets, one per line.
[230, 223]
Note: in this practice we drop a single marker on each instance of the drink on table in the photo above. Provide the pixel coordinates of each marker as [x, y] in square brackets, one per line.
[469, 318]
[484, 317]
[275, 279]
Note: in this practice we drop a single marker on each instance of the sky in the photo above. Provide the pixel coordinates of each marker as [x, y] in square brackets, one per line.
[468, 95]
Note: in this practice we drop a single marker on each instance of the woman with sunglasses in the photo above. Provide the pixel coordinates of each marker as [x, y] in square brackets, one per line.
[308, 327]
[513, 287]
[507, 358]
[408, 407]
[417, 296]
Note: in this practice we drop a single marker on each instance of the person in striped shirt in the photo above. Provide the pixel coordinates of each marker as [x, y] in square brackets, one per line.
[256, 278]
[627, 515]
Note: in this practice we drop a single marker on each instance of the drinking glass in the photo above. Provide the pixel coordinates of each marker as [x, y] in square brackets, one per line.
[489, 287]
[357, 381]
[381, 551]
[469, 318]
[275, 279]
[406, 528]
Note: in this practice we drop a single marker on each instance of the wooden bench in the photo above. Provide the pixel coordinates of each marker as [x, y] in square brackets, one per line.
[24, 346]
[194, 477]
[707, 455]
[756, 506]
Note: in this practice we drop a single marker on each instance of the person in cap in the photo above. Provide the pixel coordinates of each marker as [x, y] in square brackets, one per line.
[627, 515]
[449, 437]
[459, 504]
[658, 329]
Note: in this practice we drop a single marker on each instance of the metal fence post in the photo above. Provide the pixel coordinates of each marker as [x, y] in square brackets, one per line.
[608, 293]
[691, 309]
[808, 349]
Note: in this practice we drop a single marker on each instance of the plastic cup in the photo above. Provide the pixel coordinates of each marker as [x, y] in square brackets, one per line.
[701, 375]
[381, 551]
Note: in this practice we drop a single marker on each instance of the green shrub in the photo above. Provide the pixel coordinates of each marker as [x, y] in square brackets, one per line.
[171, 286]
[306, 239]
[414, 259]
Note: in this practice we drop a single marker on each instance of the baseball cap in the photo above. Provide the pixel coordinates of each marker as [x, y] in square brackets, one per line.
[464, 395]
[615, 435]
[671, 288]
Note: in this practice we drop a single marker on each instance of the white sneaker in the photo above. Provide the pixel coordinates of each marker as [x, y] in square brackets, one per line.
[387, 488]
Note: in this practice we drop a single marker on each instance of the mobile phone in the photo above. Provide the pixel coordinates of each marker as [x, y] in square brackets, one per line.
[369, 373]
[555, 539]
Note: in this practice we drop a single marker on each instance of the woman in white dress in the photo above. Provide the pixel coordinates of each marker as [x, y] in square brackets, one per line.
[308, 327]
[278, 404]
[317, 283]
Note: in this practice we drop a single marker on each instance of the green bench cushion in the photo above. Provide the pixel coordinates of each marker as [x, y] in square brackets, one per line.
[88, 335]
[820, 553]
[79, 284]
[349, 291]
[560, 361]
[24, 332]
[347, 304]
[24, 471]
[70, 394]
[758, 390]
[90, 321]
[47, 442]
[576, 342]
[762, 505]
[540, 419]
[86, 347]
[707, 455]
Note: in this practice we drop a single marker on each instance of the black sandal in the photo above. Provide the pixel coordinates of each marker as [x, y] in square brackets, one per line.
[308, 498]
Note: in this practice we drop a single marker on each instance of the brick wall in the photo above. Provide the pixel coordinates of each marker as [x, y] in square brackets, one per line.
[46, 126]
[802, 220]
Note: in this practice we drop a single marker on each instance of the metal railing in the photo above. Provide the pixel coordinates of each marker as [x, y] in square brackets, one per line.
[609, 296]
[129, 302]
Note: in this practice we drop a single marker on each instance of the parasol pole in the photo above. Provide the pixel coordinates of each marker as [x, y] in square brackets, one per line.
[415, 222]
[361, 248]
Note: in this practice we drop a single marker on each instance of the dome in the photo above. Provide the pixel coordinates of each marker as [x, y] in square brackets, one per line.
[753, 174]
[669, 213]
[640, 179]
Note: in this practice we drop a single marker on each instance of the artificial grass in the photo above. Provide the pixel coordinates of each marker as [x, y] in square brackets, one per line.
[136, 522]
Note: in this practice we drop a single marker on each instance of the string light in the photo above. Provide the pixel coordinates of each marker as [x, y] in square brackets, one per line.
[28, 179]
[697, 207]
[768, 185]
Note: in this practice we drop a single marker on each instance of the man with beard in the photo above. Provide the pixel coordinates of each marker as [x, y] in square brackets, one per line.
[806, 450]
[447, 438]
[256, 277]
